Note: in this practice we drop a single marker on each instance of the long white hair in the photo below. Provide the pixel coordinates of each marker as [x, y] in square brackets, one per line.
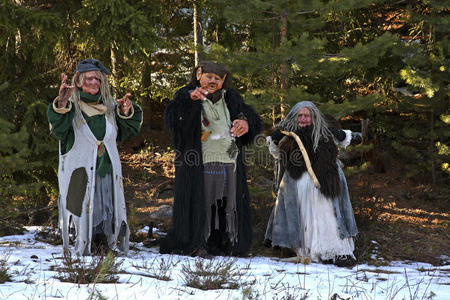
[319, 124]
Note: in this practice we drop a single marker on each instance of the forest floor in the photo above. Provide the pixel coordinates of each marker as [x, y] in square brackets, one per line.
[397, 218]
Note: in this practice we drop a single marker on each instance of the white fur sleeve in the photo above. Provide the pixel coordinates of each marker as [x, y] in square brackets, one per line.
[273, 149]
[347, 140]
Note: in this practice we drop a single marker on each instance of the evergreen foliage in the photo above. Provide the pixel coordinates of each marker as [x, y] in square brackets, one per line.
[386, 61]
[13, 189]
[353, 58]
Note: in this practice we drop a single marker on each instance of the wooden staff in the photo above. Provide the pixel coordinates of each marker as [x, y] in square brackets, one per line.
[305, 157]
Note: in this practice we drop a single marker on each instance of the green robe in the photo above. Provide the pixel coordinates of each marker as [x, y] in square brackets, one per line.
[61, 128]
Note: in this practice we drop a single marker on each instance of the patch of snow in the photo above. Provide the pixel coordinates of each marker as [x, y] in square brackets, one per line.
[31, 265]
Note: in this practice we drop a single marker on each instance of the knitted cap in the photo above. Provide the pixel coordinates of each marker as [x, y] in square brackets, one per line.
[91, 64]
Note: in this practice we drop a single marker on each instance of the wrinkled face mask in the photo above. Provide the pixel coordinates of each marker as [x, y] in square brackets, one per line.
[210, 82]
[304, 117]
[92, 83]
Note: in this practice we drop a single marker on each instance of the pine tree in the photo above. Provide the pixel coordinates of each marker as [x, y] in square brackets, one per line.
[350, 58]
[425, 77]
[14, 190]
[29, 35]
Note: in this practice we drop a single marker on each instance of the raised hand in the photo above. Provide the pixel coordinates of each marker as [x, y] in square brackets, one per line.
[198, 94]
[64, 91]
[125, 104]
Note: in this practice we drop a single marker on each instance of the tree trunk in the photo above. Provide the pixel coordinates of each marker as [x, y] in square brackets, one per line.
[273, 116]
[146, 99]
[432, 151]
[114, 68]
[198, 37]
[365, 141]
[284, 68]
[146, 80]
[274, 109]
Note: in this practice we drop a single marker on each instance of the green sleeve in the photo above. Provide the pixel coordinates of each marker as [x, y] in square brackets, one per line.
[129, 127]
[61, 127]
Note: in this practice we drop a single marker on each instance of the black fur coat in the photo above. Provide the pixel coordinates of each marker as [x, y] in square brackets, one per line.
[323, 160]
[182, 117]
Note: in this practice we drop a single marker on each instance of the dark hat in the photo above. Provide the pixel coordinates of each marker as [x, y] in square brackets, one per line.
[91, 64]
[212, 67]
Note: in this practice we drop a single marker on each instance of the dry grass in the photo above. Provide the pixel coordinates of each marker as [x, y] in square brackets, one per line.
[100, 269]
[160, 269]
[4, 272]
[210, 274]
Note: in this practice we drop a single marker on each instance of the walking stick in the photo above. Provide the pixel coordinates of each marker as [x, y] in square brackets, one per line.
[305, 157]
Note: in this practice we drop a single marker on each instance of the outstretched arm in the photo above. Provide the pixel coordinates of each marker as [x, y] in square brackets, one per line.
[181, 113]
[344, 136]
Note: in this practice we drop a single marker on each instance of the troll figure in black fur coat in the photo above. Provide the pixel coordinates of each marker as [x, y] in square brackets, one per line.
[210, 123]
[316, 222]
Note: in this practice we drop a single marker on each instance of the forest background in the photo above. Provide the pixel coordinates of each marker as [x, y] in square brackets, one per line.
[381, 67]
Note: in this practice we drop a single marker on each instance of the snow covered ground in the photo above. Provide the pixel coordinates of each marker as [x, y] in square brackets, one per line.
[33, 267]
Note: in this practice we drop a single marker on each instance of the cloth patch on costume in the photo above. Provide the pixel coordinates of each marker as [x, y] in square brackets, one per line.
[205, 122]
[100, 149]
[205, 135]
[233, 150]
[77, 190]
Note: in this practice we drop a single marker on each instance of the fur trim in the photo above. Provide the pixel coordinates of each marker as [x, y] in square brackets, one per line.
[291, 156]
[323, 160]
[348, 138]
[62, 110]
[182, 117]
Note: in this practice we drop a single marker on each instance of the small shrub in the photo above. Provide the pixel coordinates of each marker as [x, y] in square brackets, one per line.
[101, 269]
[4, 272]
[49, 235]
[8, 225]
[161, 270]
[213, 274]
